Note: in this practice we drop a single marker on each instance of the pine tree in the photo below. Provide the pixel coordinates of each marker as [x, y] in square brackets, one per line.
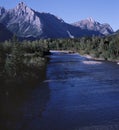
[14, 61]
[2, 62]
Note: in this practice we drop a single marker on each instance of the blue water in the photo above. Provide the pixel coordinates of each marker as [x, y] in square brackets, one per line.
[77, 94]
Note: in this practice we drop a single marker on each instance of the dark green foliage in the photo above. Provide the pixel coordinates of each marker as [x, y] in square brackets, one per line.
[14, 62]
[2, 62]
[21, 61]
[99, 47]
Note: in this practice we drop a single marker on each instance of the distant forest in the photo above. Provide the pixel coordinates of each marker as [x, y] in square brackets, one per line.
[21, 61]
[104, 48]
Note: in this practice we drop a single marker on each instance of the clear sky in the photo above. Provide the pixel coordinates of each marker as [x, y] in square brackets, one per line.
[104, 11]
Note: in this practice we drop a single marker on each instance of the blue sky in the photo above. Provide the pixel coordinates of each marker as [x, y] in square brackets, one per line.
[104, 11]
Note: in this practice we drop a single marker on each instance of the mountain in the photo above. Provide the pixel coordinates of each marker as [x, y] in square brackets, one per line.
[22, 21]
[2, 10]
[91, 24]
[28, 23]
[5, 34]
[117, 32]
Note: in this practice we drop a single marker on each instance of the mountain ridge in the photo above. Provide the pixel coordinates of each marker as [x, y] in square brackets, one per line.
[91, 24]
[26, 22]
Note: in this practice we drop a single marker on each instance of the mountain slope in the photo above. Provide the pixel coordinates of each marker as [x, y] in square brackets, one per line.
[22, 21]
[25, 22]
[117, 32]
[91, 24]
[5, 34]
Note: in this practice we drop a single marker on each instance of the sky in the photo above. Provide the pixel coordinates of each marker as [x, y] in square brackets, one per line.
[103, 11]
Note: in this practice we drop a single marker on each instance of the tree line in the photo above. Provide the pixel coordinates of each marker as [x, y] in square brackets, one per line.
[22, 60]
[105, 48]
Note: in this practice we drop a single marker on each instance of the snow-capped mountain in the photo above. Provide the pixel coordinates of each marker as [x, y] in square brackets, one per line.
[91, 24]
[26, 22]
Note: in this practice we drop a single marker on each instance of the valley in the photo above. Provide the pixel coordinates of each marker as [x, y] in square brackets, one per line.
[56, 75]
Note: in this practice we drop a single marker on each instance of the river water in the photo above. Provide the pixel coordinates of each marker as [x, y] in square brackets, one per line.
[76, 94]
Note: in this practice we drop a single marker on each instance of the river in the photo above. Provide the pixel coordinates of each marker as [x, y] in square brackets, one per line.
[76, 94]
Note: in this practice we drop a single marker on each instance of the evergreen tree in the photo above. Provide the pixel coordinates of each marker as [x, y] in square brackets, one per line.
[14, 61]
[2, 62]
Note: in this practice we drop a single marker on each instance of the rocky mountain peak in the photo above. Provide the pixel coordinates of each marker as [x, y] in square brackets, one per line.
[2, 10]
[90, 19]
[21, 5]
[23, 12]
[91, 24]
[22, 20]
[26, 22]
[22, 9]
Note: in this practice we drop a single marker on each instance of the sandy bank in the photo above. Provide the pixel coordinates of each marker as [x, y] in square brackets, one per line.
[99, 59]
[62, 51]
[91, 62]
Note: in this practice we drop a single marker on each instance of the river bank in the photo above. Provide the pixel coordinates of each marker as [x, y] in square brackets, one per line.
[74, 95]
[99, 59]
[63, 51]
[81, 96]
[88, 56]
